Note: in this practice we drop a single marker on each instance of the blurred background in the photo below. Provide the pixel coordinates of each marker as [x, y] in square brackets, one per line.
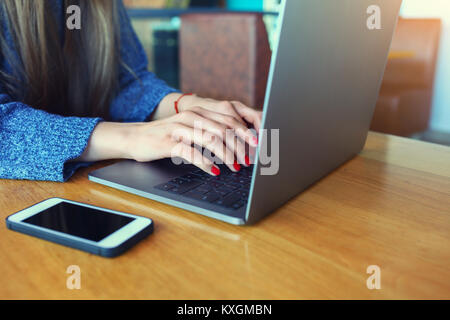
[222, 49]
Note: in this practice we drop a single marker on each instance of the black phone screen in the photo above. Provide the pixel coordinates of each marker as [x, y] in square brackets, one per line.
[79, 221]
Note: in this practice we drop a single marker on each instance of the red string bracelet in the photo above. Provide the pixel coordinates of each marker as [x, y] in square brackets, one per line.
[178, 100]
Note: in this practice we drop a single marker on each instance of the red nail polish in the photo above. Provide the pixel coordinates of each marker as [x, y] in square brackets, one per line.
[247, 160]
[255, 140]
[215, 171]
[237, 166]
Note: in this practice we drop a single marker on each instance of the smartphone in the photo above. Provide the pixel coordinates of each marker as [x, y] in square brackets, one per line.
[81, 226]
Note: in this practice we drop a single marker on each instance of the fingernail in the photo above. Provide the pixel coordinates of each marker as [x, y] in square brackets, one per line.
[247, 160]
[255, 141]
[215, 171]
[236, 166]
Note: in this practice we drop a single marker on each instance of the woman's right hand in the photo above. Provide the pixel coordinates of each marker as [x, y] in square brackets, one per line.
[175, 136]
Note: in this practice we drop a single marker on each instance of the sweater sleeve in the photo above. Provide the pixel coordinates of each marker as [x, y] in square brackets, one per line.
[140, 90]
[36, 145]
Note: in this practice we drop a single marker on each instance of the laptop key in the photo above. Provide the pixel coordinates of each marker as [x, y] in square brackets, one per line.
[179, 181]
[229, 200]
[190, 177]
[215, 184]
[165, 186]
[222, 193]
[211, 196]
[194, 195]
[224, 190]
[238, 204]
[185, 187]
[206, 178]
[234, 185]
[242, 193]
[202, 189]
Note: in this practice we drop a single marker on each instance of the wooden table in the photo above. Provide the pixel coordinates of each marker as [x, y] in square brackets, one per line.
[388, 207]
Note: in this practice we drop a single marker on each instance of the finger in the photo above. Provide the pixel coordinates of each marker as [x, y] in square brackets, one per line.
[231, 123]
[209, 141]
[199, 122]
[195, 157]
[250, 115]
[236, 144]
[198, 119]
[227, 108]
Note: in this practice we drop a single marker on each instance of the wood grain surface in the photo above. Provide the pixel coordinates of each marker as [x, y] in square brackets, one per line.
[388, 207]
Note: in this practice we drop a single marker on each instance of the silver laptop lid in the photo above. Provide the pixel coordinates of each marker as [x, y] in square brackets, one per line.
[323, 85]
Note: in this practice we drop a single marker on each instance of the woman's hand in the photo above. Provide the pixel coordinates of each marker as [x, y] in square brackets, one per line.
[222, 132]
[236, 109]
[178, 135]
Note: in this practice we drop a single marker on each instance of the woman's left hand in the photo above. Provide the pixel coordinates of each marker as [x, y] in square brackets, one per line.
[240, 112]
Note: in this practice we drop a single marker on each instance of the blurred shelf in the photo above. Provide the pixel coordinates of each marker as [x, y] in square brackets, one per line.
[145, 13]
[434, 136]
[401, 54]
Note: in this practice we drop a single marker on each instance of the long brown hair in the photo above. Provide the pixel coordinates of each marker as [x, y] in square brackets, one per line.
[78, 78]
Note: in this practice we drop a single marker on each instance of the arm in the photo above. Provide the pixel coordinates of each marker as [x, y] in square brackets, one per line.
[36, 145]
[147, 97]
[142, 96]
[140, 91]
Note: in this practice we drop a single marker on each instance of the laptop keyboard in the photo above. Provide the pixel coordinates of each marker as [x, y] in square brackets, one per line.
[229, 190]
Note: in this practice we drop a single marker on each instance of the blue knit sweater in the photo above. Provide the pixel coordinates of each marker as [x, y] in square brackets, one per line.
[36, 145]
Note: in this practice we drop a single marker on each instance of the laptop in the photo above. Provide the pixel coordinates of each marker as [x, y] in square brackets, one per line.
[325, 75]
